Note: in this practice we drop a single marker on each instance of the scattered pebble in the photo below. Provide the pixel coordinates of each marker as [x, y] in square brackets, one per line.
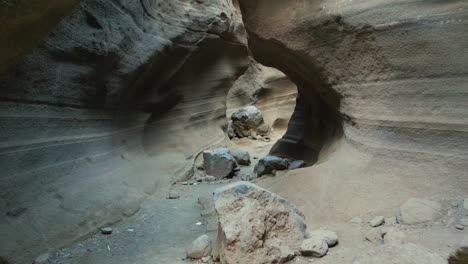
[459, 227]
[199, 223]
[106, 230]
[131, 230]
[206, 259]
[377, 221]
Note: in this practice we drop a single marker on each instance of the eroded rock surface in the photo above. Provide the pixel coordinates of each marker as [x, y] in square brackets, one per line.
[256, 226]
[115, 100]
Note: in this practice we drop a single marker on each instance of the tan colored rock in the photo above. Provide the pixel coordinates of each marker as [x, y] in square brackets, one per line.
[314, 247]
[201, 247]
[401, 254]
[256, 226]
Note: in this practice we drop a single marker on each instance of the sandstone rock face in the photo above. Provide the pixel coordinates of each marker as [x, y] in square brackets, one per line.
[401, 254]
[417, 211]
[114, 101]
[270, 90]
[256, 226]
[219, 162]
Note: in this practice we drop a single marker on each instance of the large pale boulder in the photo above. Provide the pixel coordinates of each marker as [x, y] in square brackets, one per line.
[418, 211]
[219, 162]
[256, 226]
[398, 254]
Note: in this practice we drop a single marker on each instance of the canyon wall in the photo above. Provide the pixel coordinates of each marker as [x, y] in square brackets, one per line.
[395, 73]
[111, 106]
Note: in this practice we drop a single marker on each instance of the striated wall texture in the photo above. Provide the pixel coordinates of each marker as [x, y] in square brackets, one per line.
[394, 72]
[110, 107]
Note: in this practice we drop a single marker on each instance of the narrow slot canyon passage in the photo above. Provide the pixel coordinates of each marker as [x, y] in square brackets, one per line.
[233, 132]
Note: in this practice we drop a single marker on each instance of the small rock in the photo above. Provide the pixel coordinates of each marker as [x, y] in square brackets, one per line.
[297, 164]
[273, 172]
[269, 163]
[418, 211]
[356, 220]
[106, 230]
[184, 183]
[44, 258]
[459, 227]
[200, 248]
[314, 246]
[219, 162]
[248, 121]
[241, 156]
[374, 236]
[394, 236]
[377, 221]
[330, 237]
[465, 203]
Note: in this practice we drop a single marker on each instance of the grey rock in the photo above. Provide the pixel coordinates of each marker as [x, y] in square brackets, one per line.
[377, 221]
[106, 230]
[297, 164]
[417, 211]
[356, 220]
[269, 163]
[459, 227]
[44, 258]
[219, 163]
[314, 247]
[200, 247]
[402, 254]
[241, 156]
[250, 232]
